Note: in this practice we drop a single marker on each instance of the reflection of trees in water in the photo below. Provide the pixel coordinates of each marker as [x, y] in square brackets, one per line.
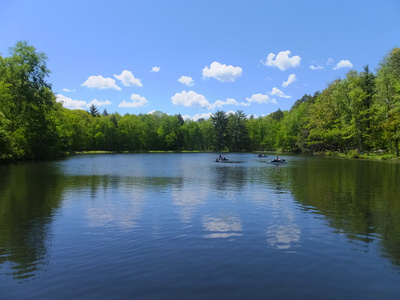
[360, 198]
[229, 175]
[31, 193]
[119, 200]
[29, 196]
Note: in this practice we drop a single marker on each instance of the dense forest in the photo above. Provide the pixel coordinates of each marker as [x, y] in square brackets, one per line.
[359, 113]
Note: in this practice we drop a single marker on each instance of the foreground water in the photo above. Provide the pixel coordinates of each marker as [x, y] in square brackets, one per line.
[181, 226]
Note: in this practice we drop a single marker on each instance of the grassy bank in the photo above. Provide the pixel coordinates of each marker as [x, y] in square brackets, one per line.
[355, 154]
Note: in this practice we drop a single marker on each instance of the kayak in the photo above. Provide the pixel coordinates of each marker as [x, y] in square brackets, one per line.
[279, 161]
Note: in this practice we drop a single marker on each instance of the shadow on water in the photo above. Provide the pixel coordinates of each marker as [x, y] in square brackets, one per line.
[360, 199]
[29, 197]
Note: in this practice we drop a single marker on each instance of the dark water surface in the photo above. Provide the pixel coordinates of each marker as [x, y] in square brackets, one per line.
[181, 226]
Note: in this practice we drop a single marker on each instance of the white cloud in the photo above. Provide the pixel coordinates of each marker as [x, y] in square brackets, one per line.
[137, 101]
[196, 117]
[282, 61]
[155, 69]
[127, 78]
[343, 64]
[99, 103]
[228, 101]
[186, 80]
[222, 72]
[101, 83]
[68, 90]
[312, 67]
[292, 78]
[330, 61]
[79, 104]
[156, 112]
[70, 103]
[277, 92]
[190, 98]
[260, 98]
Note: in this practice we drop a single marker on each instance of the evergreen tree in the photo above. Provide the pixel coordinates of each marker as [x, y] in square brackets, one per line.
[220, 122]
[94, 111]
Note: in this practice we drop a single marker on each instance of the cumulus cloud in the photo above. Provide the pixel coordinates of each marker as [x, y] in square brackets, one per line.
[186, 80]
[312, 67]
[343, 64]
[99, 82]
[70, 103]
[330, 62]
[99, 103]
[137, 101]
[260, 98]
[292, 78]
[277, 92]
[282, 61]
[155, 69]
[127, 78]
[196, 117]
[190, 98]
[79, 104]
[228, 101]
[68, 90]
[222, 72]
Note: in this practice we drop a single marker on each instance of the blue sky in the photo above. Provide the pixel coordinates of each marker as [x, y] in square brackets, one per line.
[197, 57]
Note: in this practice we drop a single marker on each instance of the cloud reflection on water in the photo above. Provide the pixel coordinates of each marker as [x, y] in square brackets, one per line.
[222, 227]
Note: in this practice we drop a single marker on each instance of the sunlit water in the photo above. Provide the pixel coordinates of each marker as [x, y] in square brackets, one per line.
[182, 226]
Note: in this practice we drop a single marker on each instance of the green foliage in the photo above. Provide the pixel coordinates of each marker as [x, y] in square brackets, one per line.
[220, 123]
[94, 111]
[237, 131]
[28, 105]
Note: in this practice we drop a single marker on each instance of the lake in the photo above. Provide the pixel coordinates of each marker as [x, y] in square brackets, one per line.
[182, 226]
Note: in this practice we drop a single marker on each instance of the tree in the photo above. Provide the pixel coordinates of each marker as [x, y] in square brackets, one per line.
[168, 131]
[324, 121]
[180, 135]
[30, 106]
[388, 96]
[94, 111]
[132, 133]
[220, 122]
[208, 134]
[192, 135]
[237, 130]
[277, 115]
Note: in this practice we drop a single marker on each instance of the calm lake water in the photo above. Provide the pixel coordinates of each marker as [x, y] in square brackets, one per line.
[182, 226]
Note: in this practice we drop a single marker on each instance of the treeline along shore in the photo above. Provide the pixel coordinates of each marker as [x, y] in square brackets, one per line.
[357, 115]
